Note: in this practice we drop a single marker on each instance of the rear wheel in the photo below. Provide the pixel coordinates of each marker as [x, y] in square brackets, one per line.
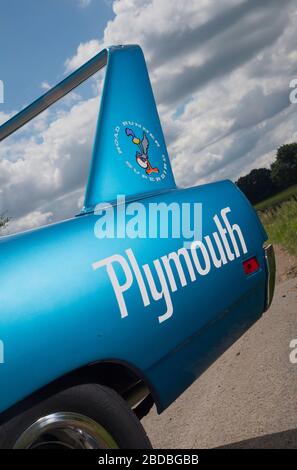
[82, 417]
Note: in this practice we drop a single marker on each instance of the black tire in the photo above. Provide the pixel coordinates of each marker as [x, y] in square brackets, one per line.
[98, 403]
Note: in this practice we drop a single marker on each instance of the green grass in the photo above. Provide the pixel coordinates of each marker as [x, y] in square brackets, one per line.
[278, 198]
[281, 226]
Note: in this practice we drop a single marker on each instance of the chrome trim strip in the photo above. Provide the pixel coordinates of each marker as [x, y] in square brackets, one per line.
[271, 271]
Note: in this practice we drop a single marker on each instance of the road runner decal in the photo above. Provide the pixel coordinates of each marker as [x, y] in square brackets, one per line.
[200, 258]
[136, 145]
[142, 157]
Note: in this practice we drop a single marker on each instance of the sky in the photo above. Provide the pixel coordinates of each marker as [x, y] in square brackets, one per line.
[220, 71]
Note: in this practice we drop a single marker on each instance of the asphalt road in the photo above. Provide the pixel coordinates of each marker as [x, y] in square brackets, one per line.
[248, 397]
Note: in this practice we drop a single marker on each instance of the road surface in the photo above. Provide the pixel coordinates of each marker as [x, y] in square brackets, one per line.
[248, 397]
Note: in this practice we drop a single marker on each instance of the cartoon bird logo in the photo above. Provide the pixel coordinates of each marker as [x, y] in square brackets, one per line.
[142, 156]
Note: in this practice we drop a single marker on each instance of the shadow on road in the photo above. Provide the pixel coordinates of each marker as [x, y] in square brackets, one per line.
[279, 440]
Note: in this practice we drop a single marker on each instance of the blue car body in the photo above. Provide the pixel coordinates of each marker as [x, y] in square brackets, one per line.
[59, 309]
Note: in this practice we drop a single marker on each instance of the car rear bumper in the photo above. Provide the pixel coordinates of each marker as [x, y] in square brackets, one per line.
[270, 265]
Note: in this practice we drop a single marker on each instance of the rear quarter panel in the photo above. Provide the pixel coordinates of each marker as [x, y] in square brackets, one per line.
[58, 313]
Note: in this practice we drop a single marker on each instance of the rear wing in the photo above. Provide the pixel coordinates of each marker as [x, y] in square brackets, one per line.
[129, 153]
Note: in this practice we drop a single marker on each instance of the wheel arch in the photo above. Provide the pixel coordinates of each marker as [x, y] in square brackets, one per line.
[119, 375]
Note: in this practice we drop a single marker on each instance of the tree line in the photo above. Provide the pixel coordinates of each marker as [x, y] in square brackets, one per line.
[262, 183]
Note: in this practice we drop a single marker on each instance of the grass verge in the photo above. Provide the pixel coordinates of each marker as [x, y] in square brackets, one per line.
[281, 226]
[277, 198]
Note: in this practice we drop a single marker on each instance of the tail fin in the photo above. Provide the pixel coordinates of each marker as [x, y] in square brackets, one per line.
[129, 155]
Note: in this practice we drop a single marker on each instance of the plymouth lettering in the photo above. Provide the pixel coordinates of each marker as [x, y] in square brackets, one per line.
[213, 251]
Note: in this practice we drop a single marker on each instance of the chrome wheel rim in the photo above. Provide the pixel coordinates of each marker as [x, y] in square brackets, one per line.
[65, 430]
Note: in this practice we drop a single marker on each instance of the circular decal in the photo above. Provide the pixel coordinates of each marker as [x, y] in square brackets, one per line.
[140, 151]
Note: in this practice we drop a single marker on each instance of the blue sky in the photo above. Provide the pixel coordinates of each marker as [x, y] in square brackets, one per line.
[37, 36]
[220, 73]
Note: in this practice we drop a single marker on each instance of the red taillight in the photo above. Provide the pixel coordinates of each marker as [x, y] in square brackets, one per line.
[251, 265]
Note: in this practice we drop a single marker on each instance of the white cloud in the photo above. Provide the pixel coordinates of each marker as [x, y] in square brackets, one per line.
[35, 171]
[28, 221]
[85, 51]
[4, 116]
[206, 63]
[45, 86]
